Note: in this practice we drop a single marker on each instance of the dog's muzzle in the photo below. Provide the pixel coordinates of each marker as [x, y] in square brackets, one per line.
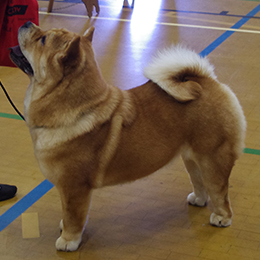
[20, 61]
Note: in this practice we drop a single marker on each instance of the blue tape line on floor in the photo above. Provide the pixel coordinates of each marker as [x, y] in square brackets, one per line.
[227, 34]
[22, 205]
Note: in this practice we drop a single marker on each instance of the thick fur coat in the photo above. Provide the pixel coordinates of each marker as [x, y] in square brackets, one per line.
[88, 134]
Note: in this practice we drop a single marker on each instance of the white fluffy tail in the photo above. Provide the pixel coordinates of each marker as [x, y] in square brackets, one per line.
[173, 68]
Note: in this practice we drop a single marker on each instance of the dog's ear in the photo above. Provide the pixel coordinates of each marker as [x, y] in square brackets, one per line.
[89, 33]
[72, 50]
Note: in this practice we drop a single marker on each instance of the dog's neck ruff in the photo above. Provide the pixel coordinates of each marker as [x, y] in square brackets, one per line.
[46, 138]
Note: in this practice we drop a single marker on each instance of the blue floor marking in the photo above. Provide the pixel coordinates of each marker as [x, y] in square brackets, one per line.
[27, 201]
[23, 204]
[227, 34]
[223, 13]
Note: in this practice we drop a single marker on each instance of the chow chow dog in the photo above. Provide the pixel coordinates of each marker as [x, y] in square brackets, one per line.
[88, 134]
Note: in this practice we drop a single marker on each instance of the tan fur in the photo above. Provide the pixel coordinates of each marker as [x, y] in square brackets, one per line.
[88, 134]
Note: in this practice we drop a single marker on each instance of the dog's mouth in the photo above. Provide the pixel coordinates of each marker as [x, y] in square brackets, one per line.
[20, 61]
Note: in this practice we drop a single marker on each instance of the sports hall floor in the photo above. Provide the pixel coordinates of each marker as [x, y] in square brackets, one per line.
[150, 218]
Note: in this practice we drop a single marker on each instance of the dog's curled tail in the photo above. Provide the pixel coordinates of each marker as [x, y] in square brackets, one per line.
[175, 68]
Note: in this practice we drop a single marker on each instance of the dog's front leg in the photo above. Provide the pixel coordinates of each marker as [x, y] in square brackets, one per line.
[75, 206]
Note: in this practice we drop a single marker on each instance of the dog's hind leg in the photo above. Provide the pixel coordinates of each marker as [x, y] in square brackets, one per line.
[199, 196]
[75, 207]
[215, 170]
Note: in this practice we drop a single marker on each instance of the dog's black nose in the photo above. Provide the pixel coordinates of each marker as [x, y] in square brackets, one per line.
[27, 24]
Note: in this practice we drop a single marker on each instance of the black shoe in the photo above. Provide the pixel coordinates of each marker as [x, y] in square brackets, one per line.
[7, 191]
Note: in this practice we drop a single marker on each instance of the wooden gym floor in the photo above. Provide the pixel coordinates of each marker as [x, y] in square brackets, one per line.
[148, 219]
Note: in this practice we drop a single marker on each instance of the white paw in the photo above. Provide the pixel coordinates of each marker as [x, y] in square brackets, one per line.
[220, 221]
[64, 245]
[196, 201]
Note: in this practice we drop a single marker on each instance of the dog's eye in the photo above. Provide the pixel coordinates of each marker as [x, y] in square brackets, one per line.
[43, 40]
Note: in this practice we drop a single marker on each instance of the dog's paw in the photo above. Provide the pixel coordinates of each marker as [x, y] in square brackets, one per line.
[220, 221]
[64, 245]
[196, 201]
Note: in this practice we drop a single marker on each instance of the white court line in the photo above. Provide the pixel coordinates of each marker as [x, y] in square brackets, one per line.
[158, 23]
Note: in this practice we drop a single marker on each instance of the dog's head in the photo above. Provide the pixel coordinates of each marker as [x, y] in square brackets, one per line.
[63, 72]
[41, 54]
